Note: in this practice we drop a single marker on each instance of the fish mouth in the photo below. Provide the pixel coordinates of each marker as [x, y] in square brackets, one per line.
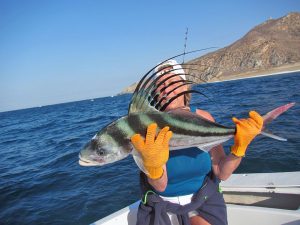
[85, 162]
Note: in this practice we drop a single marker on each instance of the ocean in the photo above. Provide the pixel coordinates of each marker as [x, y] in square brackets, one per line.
[41, 181]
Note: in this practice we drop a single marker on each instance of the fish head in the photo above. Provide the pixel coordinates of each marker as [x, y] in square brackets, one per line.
[99, 153]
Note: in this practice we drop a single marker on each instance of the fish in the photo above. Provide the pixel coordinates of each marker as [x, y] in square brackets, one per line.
[112, 143]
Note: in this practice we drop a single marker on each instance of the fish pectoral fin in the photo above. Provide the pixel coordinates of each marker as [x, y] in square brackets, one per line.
[138, 160]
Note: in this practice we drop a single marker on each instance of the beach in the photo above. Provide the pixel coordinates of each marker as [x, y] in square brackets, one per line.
[259, 73]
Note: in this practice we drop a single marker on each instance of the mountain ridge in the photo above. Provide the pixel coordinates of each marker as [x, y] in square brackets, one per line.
[274, 43]
[271, 46]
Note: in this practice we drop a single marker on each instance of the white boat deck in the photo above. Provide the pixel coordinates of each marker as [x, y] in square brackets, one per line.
[264, 199]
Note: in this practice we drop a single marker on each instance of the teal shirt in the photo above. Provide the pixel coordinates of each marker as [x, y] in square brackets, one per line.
[187, 169]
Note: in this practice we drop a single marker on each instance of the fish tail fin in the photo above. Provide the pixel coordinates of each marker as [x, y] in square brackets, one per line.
[270, 116]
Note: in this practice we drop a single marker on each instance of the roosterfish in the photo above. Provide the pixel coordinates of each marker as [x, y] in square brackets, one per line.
[112, 143]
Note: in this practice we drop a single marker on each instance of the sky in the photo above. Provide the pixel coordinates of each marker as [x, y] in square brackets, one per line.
[55, 51]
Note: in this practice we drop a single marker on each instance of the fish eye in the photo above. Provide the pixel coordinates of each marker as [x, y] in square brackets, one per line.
[100, 152]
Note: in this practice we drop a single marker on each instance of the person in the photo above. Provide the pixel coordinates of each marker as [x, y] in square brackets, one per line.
[177, 175]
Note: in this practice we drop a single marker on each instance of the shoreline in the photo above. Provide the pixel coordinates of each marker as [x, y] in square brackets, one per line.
[289, 68]
[239, 77]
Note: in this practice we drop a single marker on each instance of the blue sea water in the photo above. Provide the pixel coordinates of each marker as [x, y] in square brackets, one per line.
[42, 183]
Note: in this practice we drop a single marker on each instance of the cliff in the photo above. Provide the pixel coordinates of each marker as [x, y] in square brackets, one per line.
[274, 43]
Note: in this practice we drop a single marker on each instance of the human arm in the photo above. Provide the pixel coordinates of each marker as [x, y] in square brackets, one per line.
[224, 165]
[161, 183]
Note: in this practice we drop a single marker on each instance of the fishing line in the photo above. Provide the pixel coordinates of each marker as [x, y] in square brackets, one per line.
[185, 41]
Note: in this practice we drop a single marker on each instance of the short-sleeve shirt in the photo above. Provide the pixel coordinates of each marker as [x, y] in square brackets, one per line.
[187, 169]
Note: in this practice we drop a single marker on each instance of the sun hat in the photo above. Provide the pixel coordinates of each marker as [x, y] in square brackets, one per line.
[177, 68]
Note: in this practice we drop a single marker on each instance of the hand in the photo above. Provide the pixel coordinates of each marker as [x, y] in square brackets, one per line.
[246, 131]
[154, 151]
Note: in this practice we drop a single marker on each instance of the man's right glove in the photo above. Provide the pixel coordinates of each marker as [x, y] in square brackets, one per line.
[246, 131]
[154, 151]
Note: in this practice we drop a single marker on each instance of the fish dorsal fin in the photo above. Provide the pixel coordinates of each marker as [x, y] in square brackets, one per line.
[146, 99]
[155, 95]
[168, 102]
[144, 93]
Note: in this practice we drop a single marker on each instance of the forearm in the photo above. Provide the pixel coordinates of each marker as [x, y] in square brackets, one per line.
[160, 184]
[224, 165]
[228, 165]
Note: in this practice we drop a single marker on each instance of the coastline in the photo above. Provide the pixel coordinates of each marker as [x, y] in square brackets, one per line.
[262, 73]
[255, 76]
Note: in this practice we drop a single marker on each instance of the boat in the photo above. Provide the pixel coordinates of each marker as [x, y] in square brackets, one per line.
[254, 198]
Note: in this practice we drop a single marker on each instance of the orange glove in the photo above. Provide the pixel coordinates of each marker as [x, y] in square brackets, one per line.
[246, 131]
[155, 152]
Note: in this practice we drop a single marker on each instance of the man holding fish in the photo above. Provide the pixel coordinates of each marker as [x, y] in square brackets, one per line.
[177, 175]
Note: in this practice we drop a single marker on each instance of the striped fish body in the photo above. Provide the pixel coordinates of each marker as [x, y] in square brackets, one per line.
[112, 143]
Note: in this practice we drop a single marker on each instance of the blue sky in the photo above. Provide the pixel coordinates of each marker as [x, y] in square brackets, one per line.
[60, 51]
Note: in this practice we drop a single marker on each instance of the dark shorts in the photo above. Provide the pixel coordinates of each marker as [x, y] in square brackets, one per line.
[213, 210]
[211, 203]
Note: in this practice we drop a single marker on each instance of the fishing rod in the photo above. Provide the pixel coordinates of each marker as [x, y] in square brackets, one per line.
[185, 41]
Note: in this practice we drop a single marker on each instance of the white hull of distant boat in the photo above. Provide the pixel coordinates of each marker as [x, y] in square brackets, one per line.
[258, 198]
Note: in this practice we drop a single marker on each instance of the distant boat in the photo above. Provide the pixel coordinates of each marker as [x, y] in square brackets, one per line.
[92, 100]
